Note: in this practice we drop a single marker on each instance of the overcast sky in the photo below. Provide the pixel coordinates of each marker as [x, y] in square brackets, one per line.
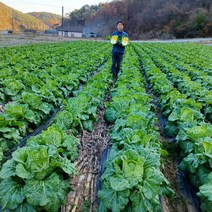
[52, 6]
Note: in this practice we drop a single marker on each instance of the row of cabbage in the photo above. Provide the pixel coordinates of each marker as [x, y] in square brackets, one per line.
[37, 176]
[196, 56]
[201, 93]
[34, 81]
[186, 123]
[201, 74]
[132, 180]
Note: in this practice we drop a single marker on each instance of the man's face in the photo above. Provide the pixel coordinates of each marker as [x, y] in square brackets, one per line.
[120, 27]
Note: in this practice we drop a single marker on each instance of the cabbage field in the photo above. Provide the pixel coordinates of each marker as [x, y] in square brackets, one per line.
[73, 139]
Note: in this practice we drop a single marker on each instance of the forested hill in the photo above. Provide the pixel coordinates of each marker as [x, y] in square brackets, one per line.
[147, 18]
[14, 19]
[50, 19]
[11, 18]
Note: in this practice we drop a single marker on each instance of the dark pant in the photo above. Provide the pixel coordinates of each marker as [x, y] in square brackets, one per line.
[116, 63]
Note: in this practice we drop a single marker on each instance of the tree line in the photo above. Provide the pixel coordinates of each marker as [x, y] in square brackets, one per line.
[146, 19]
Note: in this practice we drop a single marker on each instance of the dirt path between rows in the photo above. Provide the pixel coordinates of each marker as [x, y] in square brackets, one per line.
[84, 184]
[184, 199]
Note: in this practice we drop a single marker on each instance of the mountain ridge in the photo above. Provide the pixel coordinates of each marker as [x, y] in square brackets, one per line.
[14, 20]
[50, 19]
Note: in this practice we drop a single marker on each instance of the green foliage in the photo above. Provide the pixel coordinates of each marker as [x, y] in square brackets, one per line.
[49, 193]
[110, 115]
[205, 193]
[41, 170]
[132, 179]
[37, 175]
[82, 14]
[12, 194]
[32, 90]
[201, 19]
[107, 37]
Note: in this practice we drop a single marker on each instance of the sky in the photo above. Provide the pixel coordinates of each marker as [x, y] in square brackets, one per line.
[52, 6]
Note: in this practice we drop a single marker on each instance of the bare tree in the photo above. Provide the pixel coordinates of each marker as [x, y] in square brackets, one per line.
[144, 17]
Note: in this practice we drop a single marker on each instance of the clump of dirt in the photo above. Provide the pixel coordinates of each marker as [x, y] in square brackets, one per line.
[92, 144]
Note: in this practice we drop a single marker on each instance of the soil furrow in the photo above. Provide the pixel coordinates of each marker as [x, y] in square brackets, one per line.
[84, 183]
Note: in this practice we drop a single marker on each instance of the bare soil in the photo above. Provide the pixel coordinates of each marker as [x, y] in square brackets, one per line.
[178, 203]
[181, 202]
[26, 39]
[84, 184]
[30, 38]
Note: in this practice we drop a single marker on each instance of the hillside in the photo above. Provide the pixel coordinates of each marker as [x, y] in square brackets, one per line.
[20, 20]
[148, 19]
[50, 19]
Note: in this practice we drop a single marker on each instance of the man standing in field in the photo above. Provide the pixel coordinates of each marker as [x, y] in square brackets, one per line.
[119, 39]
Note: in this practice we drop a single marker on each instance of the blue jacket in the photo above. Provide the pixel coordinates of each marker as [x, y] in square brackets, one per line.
[117, 48]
